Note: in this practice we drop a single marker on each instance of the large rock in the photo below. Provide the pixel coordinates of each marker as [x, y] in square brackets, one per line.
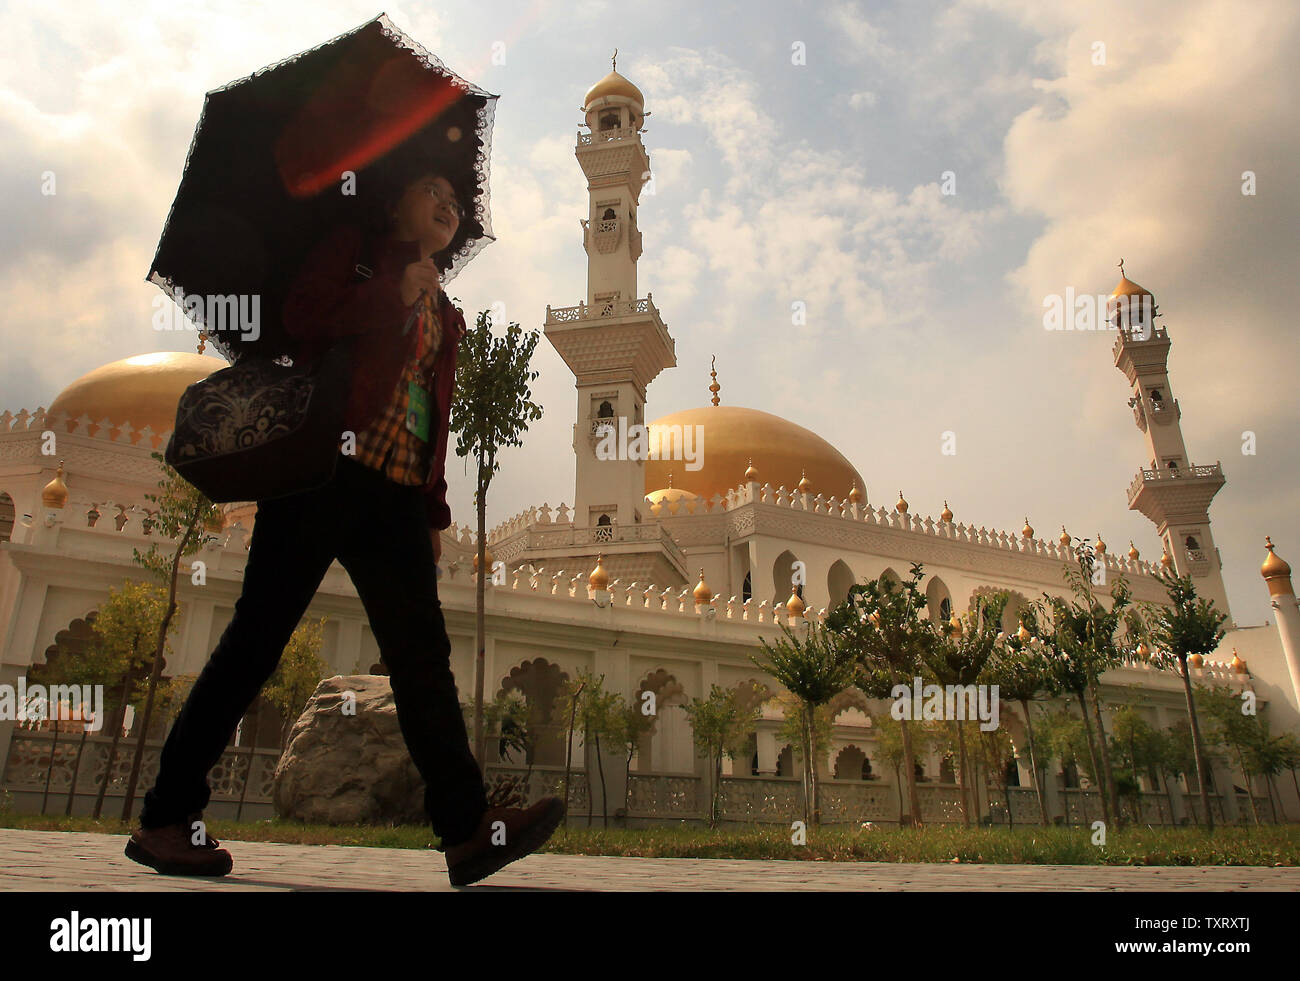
[349, 769]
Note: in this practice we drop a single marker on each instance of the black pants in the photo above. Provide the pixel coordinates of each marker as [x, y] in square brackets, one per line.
[378, 531]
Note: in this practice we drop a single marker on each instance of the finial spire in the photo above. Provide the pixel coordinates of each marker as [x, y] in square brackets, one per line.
[613, 62]
[715, 387]
[1121, 269]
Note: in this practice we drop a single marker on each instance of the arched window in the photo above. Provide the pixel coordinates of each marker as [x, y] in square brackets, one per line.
[1192, 542]
[606, 410]
[945, 609]
[6, 517]
[609, 121]
[608, 215]
[603, 520]
[747, 588]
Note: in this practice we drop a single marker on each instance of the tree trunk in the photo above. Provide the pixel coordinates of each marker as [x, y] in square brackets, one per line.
[568, 752]
[812, 767]
[1108, 782]
[961, 762]
[480, 628]
[76, 767]
[1096, 770]
[1033, 763]
[1169, 796]
[909, 764]
[898, 787]
[1202, 769]
[252, 748]
[1250, 791]
[604, 805]
[54, 752]
[118, 722]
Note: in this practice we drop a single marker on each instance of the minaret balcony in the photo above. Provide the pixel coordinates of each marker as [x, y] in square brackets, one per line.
[1161, 491]
[605, 135]
[612, 340]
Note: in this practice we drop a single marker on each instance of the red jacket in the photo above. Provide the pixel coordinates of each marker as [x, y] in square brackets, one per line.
[327, 302]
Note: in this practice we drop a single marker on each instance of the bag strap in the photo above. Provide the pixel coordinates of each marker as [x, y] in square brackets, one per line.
[363, 269]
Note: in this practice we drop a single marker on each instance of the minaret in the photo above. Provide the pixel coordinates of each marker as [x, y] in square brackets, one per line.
[615, 342]
[1277, 574]
[1170, 491]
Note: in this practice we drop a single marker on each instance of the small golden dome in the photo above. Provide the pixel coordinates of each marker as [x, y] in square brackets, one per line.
[805, 485]
[1065, 538]
[670, 495]
[1196, 661]
[874, 617]
[795, 604]
[1143, 651]
[957, 629]
[1126, 286]
[613, 84]
[1132, 551]
[1023, 634]
[855, 495]
[1028, 530]
[1101, 546]
[1274, 565]
[1165, 560]
[901, 506]
[702, 591]
[750, 472]
[487, 557]
[1238, 664]
[946, 514]
[599, 578]
[55, 493]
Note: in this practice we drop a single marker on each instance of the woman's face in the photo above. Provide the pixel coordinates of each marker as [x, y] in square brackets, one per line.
[428, 211]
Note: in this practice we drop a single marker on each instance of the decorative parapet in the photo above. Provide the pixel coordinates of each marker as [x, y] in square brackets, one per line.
[1146, 477]
[122, 433]
[611, 308]
[605, 136]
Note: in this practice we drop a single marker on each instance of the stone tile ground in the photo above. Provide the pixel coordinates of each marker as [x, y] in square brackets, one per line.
[71, 861]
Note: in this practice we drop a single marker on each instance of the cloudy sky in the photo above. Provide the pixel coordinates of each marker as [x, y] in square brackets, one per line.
[1075, 133]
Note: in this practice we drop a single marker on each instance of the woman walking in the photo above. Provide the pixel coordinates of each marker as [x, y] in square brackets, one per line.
[380, 516]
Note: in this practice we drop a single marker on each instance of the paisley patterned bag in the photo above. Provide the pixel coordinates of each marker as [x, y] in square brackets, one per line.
[260, 429]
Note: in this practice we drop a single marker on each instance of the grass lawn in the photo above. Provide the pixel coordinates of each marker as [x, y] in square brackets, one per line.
[1269, 845]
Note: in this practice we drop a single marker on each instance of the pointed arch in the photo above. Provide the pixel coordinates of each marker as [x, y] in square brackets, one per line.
[838, 581]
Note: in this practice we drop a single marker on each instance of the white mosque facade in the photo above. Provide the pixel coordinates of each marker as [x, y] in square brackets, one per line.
[662, 575]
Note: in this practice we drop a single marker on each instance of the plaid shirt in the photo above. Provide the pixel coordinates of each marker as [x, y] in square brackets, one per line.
[387, 445]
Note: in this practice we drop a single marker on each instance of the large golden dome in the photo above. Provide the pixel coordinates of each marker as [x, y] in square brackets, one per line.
[781, 452]
[142, 390]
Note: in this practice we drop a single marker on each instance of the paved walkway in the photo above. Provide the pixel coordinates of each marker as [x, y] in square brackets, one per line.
[71, 861]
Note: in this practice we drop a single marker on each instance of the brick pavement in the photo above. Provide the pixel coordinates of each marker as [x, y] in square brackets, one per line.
[72, 861]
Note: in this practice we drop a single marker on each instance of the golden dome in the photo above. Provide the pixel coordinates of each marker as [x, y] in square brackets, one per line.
[1274, 567]
[1023, 633]
[1143, 651]
[487, 557]
[613, 84]
[1101, 546]
[1126, 287]
[599, 578]
[1196, 661]
[1165, 560]
[142, 390]
[1238, 664]
[734, 436]
[805, 485]
[795, 604]
[901, 506]
[957, 629]
[702, 591]
[55, 493]
[1028, 530]
[750, 472]
[670, 495]
[1065, 537]
[946, 514]
[1133, 553]
[855, 495]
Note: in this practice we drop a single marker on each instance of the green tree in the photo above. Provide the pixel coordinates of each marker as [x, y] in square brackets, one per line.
[880, 623]
[630, 722]
[1246, 736]
[296, 676]
[1186, 626]
[812, 666]
[720, 723]
[958, 656]
[491, 408]
[1023, 675]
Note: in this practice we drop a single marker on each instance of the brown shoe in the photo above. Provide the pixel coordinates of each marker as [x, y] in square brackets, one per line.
[169, 851]
[525, 830]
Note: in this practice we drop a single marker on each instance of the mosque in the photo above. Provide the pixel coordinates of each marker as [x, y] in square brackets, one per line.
[661, 576]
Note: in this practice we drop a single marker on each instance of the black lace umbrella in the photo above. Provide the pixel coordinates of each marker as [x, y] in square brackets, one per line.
[281, 157]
